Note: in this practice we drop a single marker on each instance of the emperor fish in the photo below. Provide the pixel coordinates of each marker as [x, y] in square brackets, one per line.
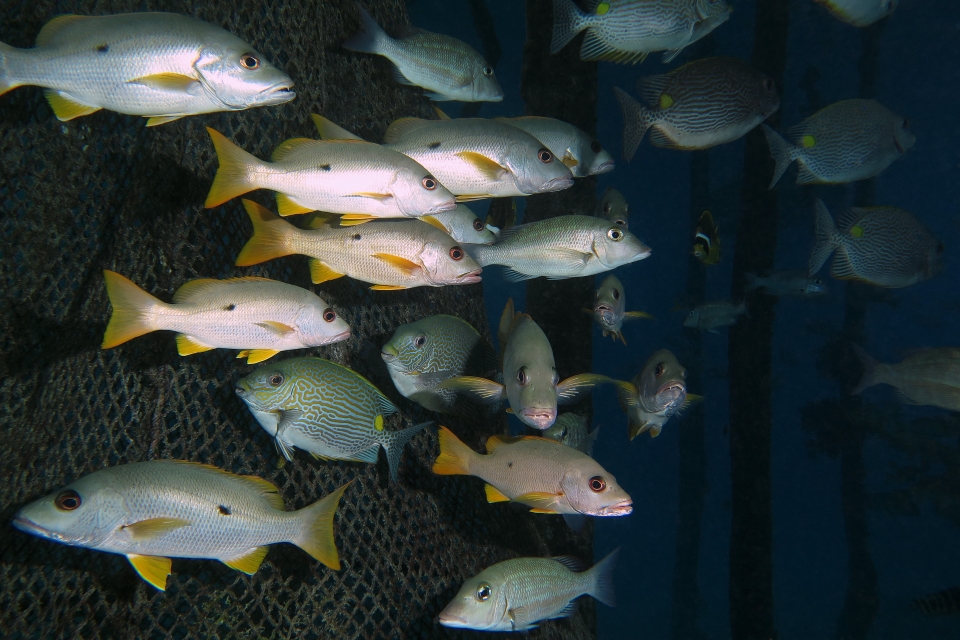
[860, 13]
[656, 394]
[152, 511]
[577, 150]
[464, 226]
[162, 66]
[700, 105]
[706, 240]
[626, 31]
[710, 316]
[390, 254]
[449, 69]
[561, 247]
[571, 429]
[359, 179]
[613, 207]
[532, 385]
[884, 246]
[787, 283]
[325, 409]
[609, 308]
[846, 141]
[538, 472]
[925, 376]
[515, 595]
[260, 316]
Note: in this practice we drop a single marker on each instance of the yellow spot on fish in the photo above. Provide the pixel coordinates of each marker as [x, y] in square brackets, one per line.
[808, 141]
[378, 423]
[602, 8]
[856, 231]
[666, 101]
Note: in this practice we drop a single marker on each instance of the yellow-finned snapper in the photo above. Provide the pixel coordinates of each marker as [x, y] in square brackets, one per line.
[464, 226]
[706, 240]
[541, 473]
[625, 31]
[794, 283]
[390, 254]
[515, 595]
[358, 179]
[710, 316]
[613, 207]
[577, 150]
[326, 409]
[561, 247]
[609, 308]
[449, 69]
[260, 316]
[531, 384]
[162, 66]
[860, 13]
[925, 376]
[697, 106]
[844, 142]
[883, 246]
[152, 511]
[656, 394]
[571, 429]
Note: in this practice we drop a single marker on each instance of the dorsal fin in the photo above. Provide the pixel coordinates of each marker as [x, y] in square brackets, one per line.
[266, 488]
[495, 441]
[503, 331]
[190, 290]
[50, 30]
[290, 146]
[402, 127]
[571, 562]
[330, 131]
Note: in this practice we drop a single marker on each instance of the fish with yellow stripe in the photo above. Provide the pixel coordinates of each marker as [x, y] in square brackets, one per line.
[152, 511]
[326, 409]
[258, 315]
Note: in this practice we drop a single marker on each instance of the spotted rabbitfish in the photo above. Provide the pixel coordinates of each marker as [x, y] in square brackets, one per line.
[609, 308]
[161, 66]
[924, 376]
[656, 394]
[152, 511]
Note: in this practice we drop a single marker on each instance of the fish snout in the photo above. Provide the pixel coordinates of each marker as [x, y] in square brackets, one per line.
[448, 619]
[622, 508]
[471, 277]
[539, 418]
[446, 205]
[604, 167]
[557, 184]
[389, 353]
[277, 94]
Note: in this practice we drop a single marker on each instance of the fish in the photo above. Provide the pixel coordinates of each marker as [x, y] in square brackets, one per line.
[697, 106]
[609, 306]
[531, 384]
[389, 254]
[626, 31]
[538, 472]
[152, 511]
[260, 316]
[706, 240]
[568, 246]
[883, 246]
[326, 409]
[924, 376]
[613, 207]
[571, 429]
[359, 180]
[577, 150]
[162, 66]
[844, 142]
[447, 68]
[464, 226]
[860, 13]
[941, 603]
[656, 394]
[515, 595]
[787, 283]
[422, 354]
[712, 315]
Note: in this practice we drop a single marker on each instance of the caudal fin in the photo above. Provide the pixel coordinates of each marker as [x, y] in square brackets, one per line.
[602, 579]
[825, 242]
[132, 307]
[567, 23]
[395, 447]
[316, 530]
[233, 175]
[781, 150]
[869, 369]
[271, 235]
[455, 457]
[636, 121]
[370, 38]
[6, 82]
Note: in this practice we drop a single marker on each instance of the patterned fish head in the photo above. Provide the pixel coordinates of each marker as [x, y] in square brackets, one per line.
[613, 207]
[274, 388]
[764, 95]
[592, 490]
[437, 343]
[534, 167]
[712, 13]
[615, 246]
[446, 262]
[463, 225]
[662, 384]
[419, 193]
[317, 323]
[530, 375]
[238, 77]
[609, 303]
[482, 604]
[569, 428]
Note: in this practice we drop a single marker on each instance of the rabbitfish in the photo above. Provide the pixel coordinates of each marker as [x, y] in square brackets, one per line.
[700, 105]
[516, 594]
[844, 142]
[609, 308]
[575, 148]
[712, 315]
[860, 13]
[884, 246]
[464, 226]
[627, 30]
[162, 66]
[562, 247]
[260, 316]
[152, 511]
[658, 392]
[391, 254]
[449, 69]
[325, 409]
[571, 430]
[787, 283]
[613, 207]
[538, 472]
[925, 376]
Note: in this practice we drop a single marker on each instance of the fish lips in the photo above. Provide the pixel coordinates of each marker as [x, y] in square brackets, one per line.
[471, 277]
[556, 184]
[539, 418]
[340, 337]
[604, 167]
[277, 94]
[622, 508]
[28, 526]
[452, 620]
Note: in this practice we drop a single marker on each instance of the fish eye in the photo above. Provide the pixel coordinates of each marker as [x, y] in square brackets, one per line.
[68, 500]
[522, 375]
[595, 147]
[620, 222]
[545, 156]
[276, 380]
[606, 207]
[329, 315]
[429, 183]
[597, 484]
[906, 123]
[420, 340]
[616, 294]
[768, 84]
[483, 592]
[456, 253]
[488, 71]
[249, 61]
[477, 224]
[690, 315]
[818, 282]
[659, 370]
[615, 234]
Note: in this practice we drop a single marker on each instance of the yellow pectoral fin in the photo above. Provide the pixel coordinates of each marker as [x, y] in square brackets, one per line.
[544, 511]
[154, 528]
[569, 161]
[440, 114]
[353, 219]
[510, 410]
[153, 569]
[259, 355]
[489, 168]
[320, 272]
[158, 120]
[250, 562]
[243, 354]
[66, 108]
[176, 82]
[434, 222]
[287, 207]
[276, 327]
[495, 495]
[187, 346]
[372, 194]
[387, 287]
[483, 196]
[408, 267]
[541, 501]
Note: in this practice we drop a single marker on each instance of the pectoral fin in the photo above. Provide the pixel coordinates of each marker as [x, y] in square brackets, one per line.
[574, 385]
[627, 393]
[637, 314]
[259, 355]
[433, 221]
[173, 82]
[155, 121]
[353, 219]
[276, 327]
[153, 569]
[494, 494]
[371, 194]
[187, 346]
[489, 168]
[154, 528]
[408, 267]
[691, 400]
[67, 108]
[540, 501]
[486, 390]
[569, 161]
[250, 562]
[387, 287]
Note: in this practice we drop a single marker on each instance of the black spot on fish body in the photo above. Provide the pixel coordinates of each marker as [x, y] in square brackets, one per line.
[224, 510]
[510, 464]
[325, 167]
[433, 145]
[356, 236]
[103, 48]
[230, 307]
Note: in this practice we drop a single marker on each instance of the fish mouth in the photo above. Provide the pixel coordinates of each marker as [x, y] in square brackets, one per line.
[469, 278]
[277, 94]
[33, 528]
[539, 418]
[242, 391]
[343, 335]
[449, 205]
[622, 508]
[389, 354]
[557, 184]
[899, 147]
[605, 167]
[452, 620]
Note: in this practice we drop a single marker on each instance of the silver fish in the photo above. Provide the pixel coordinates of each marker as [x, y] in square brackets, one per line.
[712, 315]
[464, 226]
[162, 66]
[571, 430]
[860, 13]
[577, 150]
[609, 308]
[655, 394]
[925, 376]
[787, 283]
[613, 207]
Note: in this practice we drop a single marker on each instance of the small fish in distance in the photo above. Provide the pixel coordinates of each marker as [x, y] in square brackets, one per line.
[710, 316]
[613, 207]
[925, 376]
[706, 240]
[787, 283]
[571, 429]
[860, 13]
[609, 308]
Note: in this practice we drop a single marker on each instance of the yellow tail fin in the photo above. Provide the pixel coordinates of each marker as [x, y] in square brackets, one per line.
[317, 531]
[131, 310]
[232, 177]
[270, 236]
[455, 457]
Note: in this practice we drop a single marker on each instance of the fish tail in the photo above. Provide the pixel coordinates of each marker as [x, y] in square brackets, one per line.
[315, 534]
[455, 457]
[271, 236]
[636, 121]
[6, 81]
[132, 310]
[567, 23]
[825, 235]
[395, 447]
[233, 175]
[869, 369]
[601, 583]
[782, 152]
[370, 38]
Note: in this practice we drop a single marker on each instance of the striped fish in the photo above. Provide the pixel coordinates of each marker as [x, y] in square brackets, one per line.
[700, 105]
[941, 603]
[571, 430]
[847, 141]
[884, 246]
[325, 409]
[626, 31]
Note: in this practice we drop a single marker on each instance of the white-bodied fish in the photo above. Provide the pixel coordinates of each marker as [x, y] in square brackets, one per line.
[656, 394]
[571, 430]
[260, 316]
[464, 226]
[152, 511]
[390, 254]
[577, 149]
[609, 308]
[787, 283]
[710, 316]
[515, 595]
[613, 207]
[925, 376]
[860, 13]
[449, 69]
[162, 66]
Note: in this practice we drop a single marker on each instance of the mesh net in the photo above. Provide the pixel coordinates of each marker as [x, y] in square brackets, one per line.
[105, 192]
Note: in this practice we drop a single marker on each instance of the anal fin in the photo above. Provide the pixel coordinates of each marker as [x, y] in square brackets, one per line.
[320, 272]
[494, 494]
[187, 345]
[153, 569]
[259, 355]
[67, 108]
[249, 562]
[287, 207]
